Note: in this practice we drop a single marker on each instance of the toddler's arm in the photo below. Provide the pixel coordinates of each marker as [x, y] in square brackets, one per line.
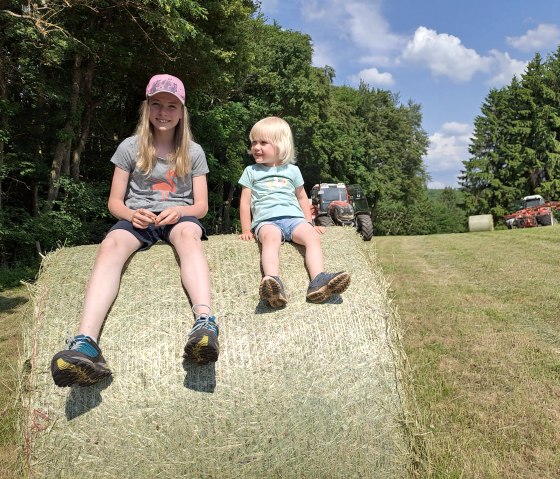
[245, 214]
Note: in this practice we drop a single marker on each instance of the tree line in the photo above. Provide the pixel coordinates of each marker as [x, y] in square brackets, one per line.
[516, 142]
[73, 74]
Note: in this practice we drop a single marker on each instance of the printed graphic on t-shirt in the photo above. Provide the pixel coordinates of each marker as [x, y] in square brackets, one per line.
[276, 183]
[167, 186]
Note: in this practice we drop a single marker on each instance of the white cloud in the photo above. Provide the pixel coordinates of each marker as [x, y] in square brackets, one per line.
[372, 77]
[448, 149]
[322, 55]
[546, 35]
[505, 68]
[312, 10]
[369, 29]
[444, 55]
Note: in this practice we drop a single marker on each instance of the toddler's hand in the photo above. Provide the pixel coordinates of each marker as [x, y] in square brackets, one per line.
[247, 236]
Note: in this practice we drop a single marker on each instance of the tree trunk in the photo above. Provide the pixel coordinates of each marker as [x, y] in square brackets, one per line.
[63, 147]
[3, 121]
[226, 220]
[89, 107]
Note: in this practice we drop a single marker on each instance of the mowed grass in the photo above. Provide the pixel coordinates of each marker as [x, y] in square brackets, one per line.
[481, 329]
[14, 305]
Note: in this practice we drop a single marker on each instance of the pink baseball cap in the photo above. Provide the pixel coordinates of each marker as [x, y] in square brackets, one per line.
[166, 83]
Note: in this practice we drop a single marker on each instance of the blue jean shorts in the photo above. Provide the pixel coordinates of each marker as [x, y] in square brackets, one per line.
[152, 234]
[286, 225]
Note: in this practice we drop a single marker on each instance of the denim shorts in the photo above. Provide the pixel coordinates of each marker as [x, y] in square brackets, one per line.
[152, 234]
[286, 225]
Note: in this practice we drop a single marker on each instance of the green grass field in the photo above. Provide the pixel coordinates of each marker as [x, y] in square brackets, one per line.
[482, 335]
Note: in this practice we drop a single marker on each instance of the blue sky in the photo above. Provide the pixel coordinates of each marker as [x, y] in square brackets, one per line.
[445, 55]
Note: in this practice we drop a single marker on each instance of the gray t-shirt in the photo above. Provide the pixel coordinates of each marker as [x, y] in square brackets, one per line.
[161, 188]
[273, 191]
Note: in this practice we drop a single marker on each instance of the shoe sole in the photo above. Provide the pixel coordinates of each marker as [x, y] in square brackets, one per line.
[336, 285]
[67, 371]
[270, 291]
[202, 348]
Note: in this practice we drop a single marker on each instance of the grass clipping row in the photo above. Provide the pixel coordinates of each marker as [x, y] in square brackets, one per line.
[308, 391]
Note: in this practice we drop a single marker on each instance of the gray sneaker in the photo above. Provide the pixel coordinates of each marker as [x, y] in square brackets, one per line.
[80, 363]
[326, 285]
[271, 290]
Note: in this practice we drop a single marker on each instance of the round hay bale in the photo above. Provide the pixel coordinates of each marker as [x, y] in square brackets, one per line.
[309, 391]
[481, 223]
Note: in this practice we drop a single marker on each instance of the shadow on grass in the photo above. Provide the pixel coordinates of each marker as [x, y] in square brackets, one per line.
[83, 399]
[201, 378]
[10, 304]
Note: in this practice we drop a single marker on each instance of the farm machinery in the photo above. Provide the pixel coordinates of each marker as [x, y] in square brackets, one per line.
[535, 211]
[342, 205]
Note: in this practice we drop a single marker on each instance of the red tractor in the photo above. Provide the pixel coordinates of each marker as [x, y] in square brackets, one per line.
[339, 204]
[535, 211]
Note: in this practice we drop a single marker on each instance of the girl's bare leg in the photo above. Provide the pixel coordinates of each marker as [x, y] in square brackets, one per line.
[186, 237]
[105, 278]
[306, 235]
[270, 238]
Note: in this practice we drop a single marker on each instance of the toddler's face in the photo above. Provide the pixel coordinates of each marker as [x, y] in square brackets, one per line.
[264, 152]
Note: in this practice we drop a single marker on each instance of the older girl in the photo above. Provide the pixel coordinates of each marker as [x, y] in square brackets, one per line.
[158, 192]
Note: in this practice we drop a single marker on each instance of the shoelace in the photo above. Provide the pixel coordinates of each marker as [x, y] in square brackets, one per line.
[205, 322]
[73, 343]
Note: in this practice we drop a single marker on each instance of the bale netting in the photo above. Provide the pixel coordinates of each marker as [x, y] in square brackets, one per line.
[309, 391]
[481, 223]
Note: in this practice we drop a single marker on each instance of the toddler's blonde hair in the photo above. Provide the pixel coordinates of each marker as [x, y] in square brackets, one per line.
[277, 132]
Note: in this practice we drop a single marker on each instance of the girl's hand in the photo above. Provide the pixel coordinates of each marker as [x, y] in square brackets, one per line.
[168, 216]
[247, 236]
[320, 229]
[142, 218]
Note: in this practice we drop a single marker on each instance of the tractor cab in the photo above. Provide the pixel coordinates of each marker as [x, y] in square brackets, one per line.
[324, 194]
[357, 199]
[338, 204]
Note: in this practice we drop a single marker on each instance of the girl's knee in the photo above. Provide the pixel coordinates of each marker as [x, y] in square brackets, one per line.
[188, 233]
[269, 234]
[114, 248]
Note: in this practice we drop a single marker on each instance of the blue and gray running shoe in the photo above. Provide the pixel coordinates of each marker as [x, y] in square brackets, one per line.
[202, 346]
[80, 363]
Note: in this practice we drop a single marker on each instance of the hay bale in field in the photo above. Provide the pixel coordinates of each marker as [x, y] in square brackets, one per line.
[481, 223]
[310, 391]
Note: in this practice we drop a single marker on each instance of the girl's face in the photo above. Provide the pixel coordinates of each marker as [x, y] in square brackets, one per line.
[165, 111]
[264, 153]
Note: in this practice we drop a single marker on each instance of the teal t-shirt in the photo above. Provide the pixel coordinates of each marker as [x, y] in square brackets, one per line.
[273, 191]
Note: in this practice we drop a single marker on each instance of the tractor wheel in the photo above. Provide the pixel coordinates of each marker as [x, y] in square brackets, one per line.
[547, 220]
[323, 221]
[364, 227]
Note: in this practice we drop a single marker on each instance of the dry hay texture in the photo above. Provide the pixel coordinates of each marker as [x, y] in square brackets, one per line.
[310, 391]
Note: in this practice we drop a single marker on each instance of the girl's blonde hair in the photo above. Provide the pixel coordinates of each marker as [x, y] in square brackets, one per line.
[180, 159]
[277, 132]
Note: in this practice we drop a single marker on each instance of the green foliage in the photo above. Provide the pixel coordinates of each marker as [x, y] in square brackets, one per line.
[516, 148]
[75, 74]
[436, 212]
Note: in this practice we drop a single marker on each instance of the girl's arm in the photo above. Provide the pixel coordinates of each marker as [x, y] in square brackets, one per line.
[245, 214]
[198, 209]
[139, 218]
[303, 201]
